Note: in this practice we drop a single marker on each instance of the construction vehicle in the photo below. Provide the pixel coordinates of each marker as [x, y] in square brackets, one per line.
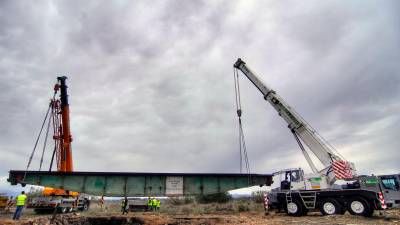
[3, 202]
[58, 199]
[298, 192]
[391, 189]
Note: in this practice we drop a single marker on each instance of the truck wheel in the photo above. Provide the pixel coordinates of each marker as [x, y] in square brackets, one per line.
[294, 208]
[63, 210]
[330, 206]
[359, 206]
[85, 207]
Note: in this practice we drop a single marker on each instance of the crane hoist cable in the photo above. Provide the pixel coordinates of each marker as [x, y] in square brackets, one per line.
[242, 143]
[38, 138]
[45, 141]
[36, 143]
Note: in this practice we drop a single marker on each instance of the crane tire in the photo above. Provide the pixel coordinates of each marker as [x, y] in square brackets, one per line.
[359, 206]
[329, 206]
[63, 210]
[294, 208]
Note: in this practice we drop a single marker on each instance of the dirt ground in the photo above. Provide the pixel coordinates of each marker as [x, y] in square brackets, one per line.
[115, 218]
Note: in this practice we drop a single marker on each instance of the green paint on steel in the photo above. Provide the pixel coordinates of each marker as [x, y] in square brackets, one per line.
[140, 184]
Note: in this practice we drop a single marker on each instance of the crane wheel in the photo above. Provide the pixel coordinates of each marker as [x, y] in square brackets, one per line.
[330, 206]
[294, 208]
[359, 206]
[63, 210]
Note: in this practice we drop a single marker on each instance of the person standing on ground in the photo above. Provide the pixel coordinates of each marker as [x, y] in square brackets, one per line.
[102, 202]
[158, 204]
[154, 204]
[149, 204]
[20, 203]
[124, 206]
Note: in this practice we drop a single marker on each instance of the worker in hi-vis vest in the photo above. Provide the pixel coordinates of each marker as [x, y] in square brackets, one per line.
[154, 204]
[158, 204]
[20, 203]
[149, 203]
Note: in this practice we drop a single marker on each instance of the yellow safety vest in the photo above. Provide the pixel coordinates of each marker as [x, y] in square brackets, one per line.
[21, 200]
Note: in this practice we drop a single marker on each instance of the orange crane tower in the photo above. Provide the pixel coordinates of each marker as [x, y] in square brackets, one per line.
[62, 134]
[64, 139]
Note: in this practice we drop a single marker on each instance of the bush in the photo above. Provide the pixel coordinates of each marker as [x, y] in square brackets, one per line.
[176, 201]
[243, 208]
[258, 196]
[218, 198]
[181, 201]
[243, 205]
[188, 200]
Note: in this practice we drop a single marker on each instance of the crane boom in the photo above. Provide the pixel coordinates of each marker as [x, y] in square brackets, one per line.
[66, 164]
[298, 126]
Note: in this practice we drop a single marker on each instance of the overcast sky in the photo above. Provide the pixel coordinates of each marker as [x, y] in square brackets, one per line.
[151, 82]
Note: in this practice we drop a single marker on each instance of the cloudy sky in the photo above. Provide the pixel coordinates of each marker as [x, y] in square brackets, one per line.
[151, 82]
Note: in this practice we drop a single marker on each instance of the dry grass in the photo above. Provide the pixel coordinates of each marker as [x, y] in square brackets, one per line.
[179, 207]
[226, 208]
[233, 212]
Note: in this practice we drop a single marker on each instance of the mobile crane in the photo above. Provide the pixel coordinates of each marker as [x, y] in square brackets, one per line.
[298, 192]
[60, 199]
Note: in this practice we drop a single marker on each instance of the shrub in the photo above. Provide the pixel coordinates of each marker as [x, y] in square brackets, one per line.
[176, 201]
[258, 196]
[188, 200]
[243, 208]
[219, 198]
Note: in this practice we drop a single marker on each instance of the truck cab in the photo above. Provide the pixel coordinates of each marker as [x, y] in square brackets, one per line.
[296, 179]
[391, 189]
[290, 179]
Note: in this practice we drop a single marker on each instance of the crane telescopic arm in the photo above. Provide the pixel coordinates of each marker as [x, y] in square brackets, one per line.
[300, 129]
[64, 145]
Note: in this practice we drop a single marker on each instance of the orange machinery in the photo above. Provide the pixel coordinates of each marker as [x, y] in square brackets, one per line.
[62, 135]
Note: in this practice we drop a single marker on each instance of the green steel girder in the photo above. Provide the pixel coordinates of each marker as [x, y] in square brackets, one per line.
[139, 184]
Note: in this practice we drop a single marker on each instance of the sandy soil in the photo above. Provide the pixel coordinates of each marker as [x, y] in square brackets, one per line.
[89, 218]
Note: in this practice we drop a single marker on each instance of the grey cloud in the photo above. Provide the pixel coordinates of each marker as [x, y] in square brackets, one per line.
[151, 83]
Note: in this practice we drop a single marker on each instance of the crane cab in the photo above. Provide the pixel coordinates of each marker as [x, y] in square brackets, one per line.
[295, 179]
[290, 179]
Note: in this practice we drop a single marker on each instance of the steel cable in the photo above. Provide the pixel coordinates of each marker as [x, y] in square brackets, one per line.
[37, 140]
[243, 156]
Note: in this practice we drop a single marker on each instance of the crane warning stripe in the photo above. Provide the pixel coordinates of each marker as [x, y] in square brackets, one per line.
[342, 169]
[266, 201]
[382, 200]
